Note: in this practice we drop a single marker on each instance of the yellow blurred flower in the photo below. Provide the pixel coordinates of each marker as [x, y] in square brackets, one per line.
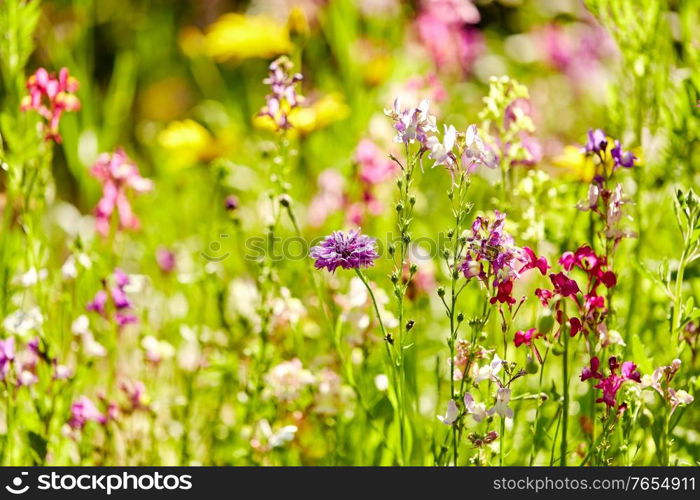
[188, 142]
[573, 160]
[584, 168]
[326, 110]
[236, 36]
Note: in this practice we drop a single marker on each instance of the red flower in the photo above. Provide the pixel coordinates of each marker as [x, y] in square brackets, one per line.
[575, 325]
[592, 372]
[563, 285]
[504, 293]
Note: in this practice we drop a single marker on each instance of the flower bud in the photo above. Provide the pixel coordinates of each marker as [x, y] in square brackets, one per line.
[531, 366]
[441, 292]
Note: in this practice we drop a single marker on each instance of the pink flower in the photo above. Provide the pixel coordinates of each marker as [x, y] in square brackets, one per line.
[98, 303]
[534, 262]
[375, 166]
[329, 199]
[611, 384]
[442, 29]
[51, 96]
[563, 285]
[7, 356]
[82, 411]
[544, 295]
[119, 299]
[166, 259]
[525, 337]
[118, 174]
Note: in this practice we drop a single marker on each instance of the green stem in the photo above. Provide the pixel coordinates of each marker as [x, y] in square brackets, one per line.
[565, 410]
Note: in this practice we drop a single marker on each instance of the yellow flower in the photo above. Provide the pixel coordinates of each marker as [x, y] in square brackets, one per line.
[326, 110]
[188, 142]
[235, 36]
[573, 160]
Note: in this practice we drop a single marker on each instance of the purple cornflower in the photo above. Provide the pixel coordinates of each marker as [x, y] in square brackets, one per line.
[622, 158]
[350, 250]
[412, 124]
[283, 96]
[597, 141]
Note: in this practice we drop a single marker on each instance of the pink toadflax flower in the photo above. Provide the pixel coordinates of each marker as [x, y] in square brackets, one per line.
[118, 174]
[51, 96]
[83, 410]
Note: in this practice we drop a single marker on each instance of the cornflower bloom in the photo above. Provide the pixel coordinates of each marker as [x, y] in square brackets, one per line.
[349, 250]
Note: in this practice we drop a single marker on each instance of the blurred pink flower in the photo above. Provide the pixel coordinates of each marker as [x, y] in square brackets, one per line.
[442, 27]
[166, 259]
[329, 199]
[82, 411]
[375, 165]
[50, 96]
[118, 174]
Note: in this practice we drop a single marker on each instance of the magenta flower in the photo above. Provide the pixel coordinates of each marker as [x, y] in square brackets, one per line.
[563, 285]
[120, 301]
[591, 371]
[166, 260]
[118, 174]
[533, 262]
[611, 384]
[98, 303]
[544, 295]
[51, 96]
[83, 410]
[350, 250]
[526, 337]
[7, 355]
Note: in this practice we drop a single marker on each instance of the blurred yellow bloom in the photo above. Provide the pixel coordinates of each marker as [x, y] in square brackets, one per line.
[585, 168]
[189, 142]
[304, 120]
[573, 160]
[297, 23]
[235, 36]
